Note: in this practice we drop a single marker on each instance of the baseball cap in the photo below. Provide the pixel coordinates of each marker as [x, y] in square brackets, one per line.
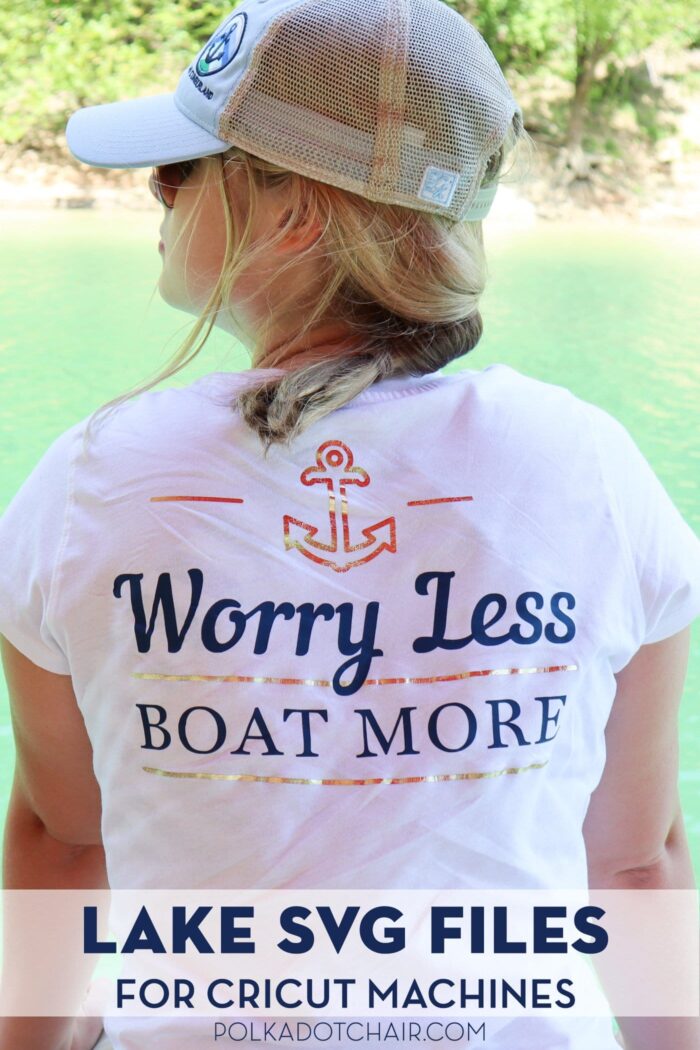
[400, 101]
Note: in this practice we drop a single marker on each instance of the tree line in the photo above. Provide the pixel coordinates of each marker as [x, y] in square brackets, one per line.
[59, 55]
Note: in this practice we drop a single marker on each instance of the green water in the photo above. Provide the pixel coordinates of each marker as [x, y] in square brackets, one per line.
[611, 314]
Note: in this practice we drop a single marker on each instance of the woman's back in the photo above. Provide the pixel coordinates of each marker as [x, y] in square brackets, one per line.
[384, 656]
[323, 624]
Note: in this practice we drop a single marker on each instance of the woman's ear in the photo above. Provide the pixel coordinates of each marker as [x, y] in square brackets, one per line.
[301, 237]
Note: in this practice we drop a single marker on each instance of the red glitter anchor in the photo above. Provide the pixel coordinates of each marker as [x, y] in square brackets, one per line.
[335, 469]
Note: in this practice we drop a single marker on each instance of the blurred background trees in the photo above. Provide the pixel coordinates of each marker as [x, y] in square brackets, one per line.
[58, 55]
[580, 40]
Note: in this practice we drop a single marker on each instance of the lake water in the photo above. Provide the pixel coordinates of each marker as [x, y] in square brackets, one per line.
[612, 314]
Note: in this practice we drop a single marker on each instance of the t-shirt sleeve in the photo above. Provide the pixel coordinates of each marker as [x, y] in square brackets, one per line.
[662, 549]
[32, 531]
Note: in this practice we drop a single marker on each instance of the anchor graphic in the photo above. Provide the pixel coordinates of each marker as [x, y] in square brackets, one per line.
[336, 470]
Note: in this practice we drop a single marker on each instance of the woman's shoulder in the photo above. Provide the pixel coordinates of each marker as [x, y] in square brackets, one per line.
[162, 419]
[536, 404]
[171, 421]
[503, 380]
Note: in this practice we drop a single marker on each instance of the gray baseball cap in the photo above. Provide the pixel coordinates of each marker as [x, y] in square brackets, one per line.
[400, 101]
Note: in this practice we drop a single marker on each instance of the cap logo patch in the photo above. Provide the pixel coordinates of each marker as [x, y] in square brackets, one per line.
[438, 186]
[223, 46]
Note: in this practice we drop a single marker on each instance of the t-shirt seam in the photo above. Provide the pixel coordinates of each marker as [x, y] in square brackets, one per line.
[55, 578]
[199, 387]
[391, 395]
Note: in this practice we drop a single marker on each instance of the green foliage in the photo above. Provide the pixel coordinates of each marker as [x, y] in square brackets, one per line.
[63, 55]
[59, 55]
[612, 147]
[630, 88]
[521, 33]
[626, 27]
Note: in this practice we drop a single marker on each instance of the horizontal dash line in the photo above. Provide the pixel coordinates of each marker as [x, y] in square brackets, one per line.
[242, 678]
[340, 782]
[194, 499]
[262, 680]
[444, 499]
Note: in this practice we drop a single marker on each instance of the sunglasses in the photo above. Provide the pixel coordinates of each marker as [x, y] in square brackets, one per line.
[166, 179]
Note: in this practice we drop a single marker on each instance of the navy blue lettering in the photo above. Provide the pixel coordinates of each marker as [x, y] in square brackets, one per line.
[185, 930]
[583, 924]
[290, 923]
[414, 996]
[308, 614]
[480, 624]
[471, 728]
[218, 723]
[439, 933]
[499, 724]
[395, 936]
[236, 617]
[569, 997]
[207, 92]
[90, 942]
[268, 614]
[143, 936]
[337, 931]
[267, 611]
[148, 726]
[547, 941]
[403, 720]
[556, 601]
[305, 727]
[382, 994]
[163, 599]
[547, 718]
[364, 649]
[484, 617]
[264, 735]
[524, 613]
[437, 640]
[501, 944]
[236, 939]
[477, 925]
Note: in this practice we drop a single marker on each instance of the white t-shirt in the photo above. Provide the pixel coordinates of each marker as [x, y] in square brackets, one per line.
[383, 658]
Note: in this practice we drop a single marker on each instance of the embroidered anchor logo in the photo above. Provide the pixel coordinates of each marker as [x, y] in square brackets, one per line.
[335, 469]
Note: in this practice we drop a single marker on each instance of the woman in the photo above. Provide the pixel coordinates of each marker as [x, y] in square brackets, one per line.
[342, 620]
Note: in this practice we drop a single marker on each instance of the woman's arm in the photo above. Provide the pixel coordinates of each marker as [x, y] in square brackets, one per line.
[634, 831]
[52, 832]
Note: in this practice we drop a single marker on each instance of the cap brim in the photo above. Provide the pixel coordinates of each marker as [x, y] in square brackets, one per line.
[138, 133]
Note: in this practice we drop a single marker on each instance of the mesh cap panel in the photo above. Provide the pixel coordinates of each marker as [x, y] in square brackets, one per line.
[400, 101]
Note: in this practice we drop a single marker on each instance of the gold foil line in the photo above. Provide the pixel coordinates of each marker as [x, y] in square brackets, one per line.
[326, 684]
[341, 782]
[194, 499]
[246, 679]
[443, 499]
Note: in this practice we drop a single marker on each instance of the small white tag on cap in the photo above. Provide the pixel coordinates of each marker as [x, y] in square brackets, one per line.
[438, 186]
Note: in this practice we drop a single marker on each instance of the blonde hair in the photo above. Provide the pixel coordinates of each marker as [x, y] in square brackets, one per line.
[406, 285]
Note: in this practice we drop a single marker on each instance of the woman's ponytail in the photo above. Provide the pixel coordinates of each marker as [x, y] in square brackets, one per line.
[280, 408]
